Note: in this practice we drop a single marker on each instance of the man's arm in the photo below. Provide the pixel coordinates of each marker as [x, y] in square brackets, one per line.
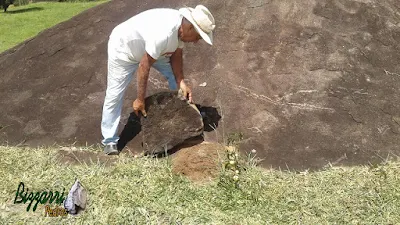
[177, 68]
[177, 65]
[142, 77]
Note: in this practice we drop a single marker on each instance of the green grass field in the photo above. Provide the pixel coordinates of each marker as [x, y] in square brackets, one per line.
[145, 191]
[23, 22]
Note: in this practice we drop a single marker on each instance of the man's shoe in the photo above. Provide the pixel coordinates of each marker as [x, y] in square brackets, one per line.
[111, 149]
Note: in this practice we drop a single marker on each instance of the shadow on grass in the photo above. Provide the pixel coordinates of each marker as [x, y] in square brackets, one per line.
[24, 10]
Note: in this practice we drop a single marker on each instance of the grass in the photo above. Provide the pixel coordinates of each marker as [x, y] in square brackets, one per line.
[144, 190]
[24, 22]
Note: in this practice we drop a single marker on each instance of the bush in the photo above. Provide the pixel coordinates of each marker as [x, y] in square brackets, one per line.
[21, 2]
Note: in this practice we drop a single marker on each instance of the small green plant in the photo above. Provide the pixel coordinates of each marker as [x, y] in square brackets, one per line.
[231, 165]
[234, 165]
[252, 159]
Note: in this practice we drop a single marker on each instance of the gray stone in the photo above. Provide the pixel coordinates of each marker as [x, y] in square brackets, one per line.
[169, 122]
[308, 83]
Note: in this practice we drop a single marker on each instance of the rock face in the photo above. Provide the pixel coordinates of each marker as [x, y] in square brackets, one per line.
[169, 122]
[307, 82]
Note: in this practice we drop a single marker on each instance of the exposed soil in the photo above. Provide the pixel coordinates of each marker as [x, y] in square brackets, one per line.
[200, 162]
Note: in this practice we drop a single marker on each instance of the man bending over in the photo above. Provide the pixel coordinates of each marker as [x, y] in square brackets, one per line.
[153, 38]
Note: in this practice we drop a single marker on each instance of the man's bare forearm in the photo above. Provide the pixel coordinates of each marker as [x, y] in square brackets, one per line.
[142, 77]
[177, 65]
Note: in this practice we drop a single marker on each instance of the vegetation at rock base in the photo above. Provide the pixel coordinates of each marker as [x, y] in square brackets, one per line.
[144, 190]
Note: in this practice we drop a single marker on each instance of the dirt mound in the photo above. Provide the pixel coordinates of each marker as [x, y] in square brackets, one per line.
[307, 82]
[200, 162]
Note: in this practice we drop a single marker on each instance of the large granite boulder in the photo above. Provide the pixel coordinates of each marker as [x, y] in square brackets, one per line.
[169, 122]
[309, 83]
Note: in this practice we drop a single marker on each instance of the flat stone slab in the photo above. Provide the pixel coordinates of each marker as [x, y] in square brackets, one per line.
[169, 122]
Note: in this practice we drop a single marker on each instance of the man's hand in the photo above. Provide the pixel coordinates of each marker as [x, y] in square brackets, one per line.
[139, 106]
[187, 92]
[177, 66]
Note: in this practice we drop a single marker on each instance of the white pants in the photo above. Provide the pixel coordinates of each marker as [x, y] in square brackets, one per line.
[120, 73]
